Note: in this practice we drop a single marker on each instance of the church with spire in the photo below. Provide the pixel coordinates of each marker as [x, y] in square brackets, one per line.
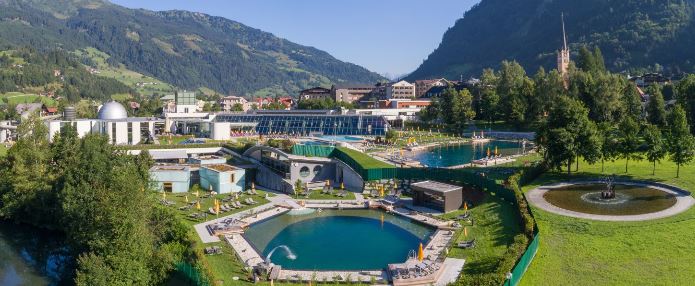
[563, 55]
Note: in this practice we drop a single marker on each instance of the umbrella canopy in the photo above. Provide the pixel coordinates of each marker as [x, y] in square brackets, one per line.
[420, 253]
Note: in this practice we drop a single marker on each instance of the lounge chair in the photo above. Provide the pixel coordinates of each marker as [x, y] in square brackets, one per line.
[466, 244]
[238, 204]
[212, 211]
[230, 207]
[464, 216]
[251, 201]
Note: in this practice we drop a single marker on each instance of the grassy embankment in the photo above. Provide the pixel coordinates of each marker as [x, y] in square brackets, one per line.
[584, 252]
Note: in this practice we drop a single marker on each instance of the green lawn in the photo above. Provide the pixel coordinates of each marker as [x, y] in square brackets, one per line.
[364, 160]
[206, 203]
[317, 195]
[583, 252]
[20, 97]
[496, 224]
[3, 150]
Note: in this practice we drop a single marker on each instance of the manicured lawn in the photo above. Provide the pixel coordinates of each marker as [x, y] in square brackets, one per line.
[364, 160]
[206, 203]
[495, 225]
[583, 252]
[3, 150]
[19, 97]
[317, 195]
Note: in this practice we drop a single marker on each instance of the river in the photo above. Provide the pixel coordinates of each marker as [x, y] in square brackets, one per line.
[31, 256]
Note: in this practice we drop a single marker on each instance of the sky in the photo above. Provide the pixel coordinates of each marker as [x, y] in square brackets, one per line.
[390, 37]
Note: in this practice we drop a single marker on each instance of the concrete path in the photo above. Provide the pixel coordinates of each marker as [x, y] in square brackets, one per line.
[683, 202]
[207, 237]
[452, 269]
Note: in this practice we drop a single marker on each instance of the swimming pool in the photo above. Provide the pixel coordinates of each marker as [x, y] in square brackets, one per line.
[337, 239]
[446, 156]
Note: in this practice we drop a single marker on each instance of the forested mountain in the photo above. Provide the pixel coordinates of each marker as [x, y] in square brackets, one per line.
[187, 49]
[634, 35]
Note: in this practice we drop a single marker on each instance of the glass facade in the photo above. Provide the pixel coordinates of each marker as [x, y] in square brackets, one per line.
[310, 124]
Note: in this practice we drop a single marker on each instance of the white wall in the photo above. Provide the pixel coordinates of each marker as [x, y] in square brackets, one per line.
[221, 131]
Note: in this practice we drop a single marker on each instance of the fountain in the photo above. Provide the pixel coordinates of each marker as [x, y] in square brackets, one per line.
[609, 193]
[290, 254]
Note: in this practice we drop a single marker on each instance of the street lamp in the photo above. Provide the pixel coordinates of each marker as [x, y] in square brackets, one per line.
[509, 276]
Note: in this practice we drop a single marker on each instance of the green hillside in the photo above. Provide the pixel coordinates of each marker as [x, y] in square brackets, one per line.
[186, 49]
[634, 35]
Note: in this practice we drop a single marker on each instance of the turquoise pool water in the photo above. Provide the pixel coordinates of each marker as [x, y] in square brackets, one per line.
[446, 156]
[337, 239]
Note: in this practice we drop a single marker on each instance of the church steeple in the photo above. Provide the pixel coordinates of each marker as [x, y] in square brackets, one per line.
[563, 56]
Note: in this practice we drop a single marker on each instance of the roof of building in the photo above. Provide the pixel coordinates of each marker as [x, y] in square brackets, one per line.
[436, 186]
[165, 168]
[112, 110]
[220, 167]
[168, 154]
[354, 86]
[313, 90]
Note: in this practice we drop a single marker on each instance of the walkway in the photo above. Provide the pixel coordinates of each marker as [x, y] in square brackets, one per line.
[683, 202]
[207, 237]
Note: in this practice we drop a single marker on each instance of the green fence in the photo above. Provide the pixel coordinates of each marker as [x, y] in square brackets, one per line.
[524, 261]
[191, 274]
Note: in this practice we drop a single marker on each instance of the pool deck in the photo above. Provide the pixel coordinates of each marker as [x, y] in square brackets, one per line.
[280, 204]
[684, 201]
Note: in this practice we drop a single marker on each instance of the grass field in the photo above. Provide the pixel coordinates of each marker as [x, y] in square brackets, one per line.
[317, 195]
[496, 224]
[3, 150]
[19, 97]
[583, 252]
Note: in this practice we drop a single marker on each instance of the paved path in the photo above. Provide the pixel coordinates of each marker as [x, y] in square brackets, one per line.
[683, 202]
[452, 269]
[207, 237]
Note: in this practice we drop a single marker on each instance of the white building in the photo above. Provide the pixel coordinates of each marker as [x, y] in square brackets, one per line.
[401, 89]
[112, 120]
[227, 103]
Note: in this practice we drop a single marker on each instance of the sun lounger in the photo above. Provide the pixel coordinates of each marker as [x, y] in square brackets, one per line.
[238, 204]
[464, 216]
[212, 211]
[466, 244]
[251, 201]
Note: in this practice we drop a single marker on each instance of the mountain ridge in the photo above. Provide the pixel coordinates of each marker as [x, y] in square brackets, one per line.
[634, 35]
[187, 49]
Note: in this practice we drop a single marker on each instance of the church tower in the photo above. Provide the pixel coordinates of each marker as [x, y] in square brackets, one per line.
[563, 56]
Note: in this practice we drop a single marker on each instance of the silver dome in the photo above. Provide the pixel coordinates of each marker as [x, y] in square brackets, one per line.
[112, 110]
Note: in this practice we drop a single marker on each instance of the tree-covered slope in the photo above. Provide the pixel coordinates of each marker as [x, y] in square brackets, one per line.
[634, 35]
[187, 49]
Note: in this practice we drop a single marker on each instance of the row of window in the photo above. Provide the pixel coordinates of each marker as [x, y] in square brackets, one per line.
[307, 124]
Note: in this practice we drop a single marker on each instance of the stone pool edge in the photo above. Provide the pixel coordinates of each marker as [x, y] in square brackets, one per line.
[248, 254]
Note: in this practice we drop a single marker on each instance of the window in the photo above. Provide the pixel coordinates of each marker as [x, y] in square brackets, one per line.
[317, 170]
[231, 178]
[304, 172]
[168, 187]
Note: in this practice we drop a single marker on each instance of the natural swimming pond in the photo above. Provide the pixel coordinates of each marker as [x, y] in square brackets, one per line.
[453, 155]
[337, 239]
[629, 199]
